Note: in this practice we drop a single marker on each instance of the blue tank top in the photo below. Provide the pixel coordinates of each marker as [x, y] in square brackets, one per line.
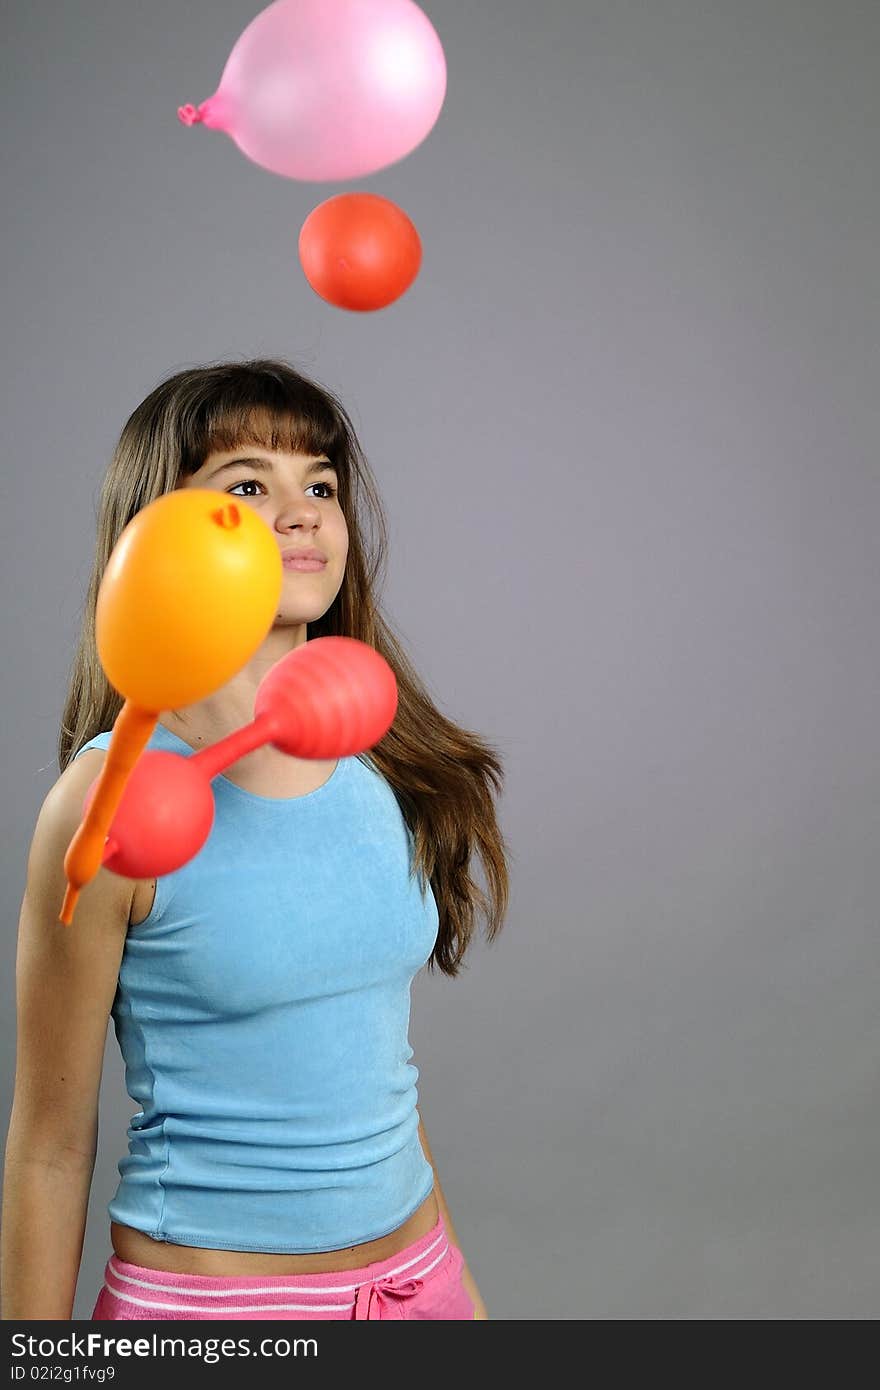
[262, 1012]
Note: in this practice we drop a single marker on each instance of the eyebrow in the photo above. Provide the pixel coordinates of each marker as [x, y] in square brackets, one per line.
[261, 465]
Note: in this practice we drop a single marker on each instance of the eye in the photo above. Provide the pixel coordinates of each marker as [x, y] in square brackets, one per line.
[253, 482]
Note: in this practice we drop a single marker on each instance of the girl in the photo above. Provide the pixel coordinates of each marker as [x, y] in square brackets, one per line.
[278, 1166]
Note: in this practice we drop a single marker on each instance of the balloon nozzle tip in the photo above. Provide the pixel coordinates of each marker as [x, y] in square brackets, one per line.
[69, 905]
[188, 115]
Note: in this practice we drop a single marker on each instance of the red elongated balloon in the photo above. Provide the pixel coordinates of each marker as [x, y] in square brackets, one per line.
[330, 698]
[359, 251]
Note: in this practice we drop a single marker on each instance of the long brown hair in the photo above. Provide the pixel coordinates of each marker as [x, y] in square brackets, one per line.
[444, 777]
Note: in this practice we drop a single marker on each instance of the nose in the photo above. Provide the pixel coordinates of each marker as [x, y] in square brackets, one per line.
[297, 511]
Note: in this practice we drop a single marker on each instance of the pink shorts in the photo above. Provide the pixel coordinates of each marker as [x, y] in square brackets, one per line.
[421, 1282]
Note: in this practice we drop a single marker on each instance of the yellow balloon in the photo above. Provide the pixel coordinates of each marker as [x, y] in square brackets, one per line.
[189, 593]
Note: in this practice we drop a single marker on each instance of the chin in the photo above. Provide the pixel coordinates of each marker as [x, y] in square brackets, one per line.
[296, 617]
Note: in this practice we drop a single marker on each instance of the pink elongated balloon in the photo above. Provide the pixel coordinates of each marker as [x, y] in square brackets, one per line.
[329, 89]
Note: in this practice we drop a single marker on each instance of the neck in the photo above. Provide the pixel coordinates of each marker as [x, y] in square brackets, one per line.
[232, 705]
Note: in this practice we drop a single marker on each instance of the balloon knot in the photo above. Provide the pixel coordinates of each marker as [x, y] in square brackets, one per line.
[189, 115]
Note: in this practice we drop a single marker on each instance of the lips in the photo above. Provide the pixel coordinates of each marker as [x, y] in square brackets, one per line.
[310, 554]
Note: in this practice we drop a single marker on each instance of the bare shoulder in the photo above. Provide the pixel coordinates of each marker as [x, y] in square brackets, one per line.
[66, 976]
[57, 822]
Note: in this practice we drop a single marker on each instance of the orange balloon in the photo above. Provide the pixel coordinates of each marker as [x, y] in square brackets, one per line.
[359, 251]
[188, 595]
[82, 860]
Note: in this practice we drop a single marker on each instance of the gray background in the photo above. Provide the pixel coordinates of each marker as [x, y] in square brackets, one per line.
[625, 427]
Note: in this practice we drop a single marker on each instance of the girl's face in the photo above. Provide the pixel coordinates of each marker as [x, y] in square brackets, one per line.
[296, 495]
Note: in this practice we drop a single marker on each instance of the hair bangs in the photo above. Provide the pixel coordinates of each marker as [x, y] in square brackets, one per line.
[268, 414]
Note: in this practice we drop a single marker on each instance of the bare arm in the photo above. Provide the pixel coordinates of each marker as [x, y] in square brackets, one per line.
[467, 1278]
[65, 984]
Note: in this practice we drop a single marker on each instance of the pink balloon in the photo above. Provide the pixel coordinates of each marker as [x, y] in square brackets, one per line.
[329, 89]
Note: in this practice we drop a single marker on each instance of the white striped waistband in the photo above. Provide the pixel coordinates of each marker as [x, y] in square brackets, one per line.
[159, 1290]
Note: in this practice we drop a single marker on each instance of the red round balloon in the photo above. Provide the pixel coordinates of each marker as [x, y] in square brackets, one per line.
[359, 251]
[164, 818]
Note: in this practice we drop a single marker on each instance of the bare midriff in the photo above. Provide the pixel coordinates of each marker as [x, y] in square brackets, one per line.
[137, 1248]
